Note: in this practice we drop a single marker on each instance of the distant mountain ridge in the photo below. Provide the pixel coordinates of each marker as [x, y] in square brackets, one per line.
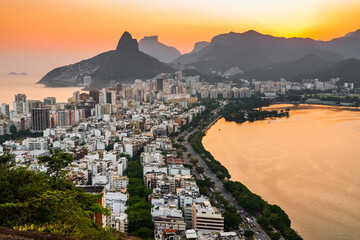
[252, 50]
[124, 64]
[259, 56]
[152, 46]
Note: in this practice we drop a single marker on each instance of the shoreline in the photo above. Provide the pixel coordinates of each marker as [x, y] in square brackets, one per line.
[354, 110]
[308, 105]
[228, 180]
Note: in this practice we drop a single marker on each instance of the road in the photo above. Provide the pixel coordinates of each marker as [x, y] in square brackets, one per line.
[259, 233]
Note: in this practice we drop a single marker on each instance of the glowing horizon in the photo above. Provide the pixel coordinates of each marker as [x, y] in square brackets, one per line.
[83, 28]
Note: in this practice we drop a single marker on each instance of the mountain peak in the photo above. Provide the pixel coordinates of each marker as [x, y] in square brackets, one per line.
[151, 46]
[252, 32]
[199, 45]
[150, 38]
[126, 42]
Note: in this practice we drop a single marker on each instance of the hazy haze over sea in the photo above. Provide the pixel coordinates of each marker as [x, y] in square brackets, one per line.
[307, 164]
[12, 84]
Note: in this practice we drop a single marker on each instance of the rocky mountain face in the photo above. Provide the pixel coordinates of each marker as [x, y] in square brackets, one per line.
[124, 64]
[198, 46]
[152, 46]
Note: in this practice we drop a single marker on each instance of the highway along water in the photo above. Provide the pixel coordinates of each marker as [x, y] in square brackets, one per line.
[308, 164]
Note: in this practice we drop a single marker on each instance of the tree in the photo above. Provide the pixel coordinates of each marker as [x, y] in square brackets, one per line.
[56, 163]
[13, 129]
[194, 161]
[35, 199]
[5, 162]
[249, 233]
[109, 147]
[231, 221]
[200, 170]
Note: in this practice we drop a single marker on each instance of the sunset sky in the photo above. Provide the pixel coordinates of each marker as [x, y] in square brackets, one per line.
[38, 35]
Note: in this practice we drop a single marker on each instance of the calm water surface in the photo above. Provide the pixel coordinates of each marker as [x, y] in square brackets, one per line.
[11, 85]
[308, 164]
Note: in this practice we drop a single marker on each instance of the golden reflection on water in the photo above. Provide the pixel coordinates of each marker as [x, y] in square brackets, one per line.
[308, 164]
[12, 85]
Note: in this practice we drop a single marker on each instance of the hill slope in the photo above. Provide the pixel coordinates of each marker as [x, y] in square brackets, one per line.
[253, 50]
[293, 70]
[124, 64]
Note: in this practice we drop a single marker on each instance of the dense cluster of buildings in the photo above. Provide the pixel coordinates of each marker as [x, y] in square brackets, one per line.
[272, 89]
[102, 129]
[36, 115]
[177, 205]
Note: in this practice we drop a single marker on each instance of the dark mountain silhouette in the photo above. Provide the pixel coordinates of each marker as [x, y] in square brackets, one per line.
[310, 67]
[259, 56]
[252, 50]
[198, 46]
[293, 70]
[124, 64]
[152, 47]
[193, 55]
[348, 46]
[347, 70]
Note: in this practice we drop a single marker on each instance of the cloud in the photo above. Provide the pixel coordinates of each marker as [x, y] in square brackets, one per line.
[18, 74]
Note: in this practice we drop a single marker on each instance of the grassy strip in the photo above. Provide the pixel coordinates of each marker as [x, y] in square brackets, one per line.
[214, 165]
[139, 210]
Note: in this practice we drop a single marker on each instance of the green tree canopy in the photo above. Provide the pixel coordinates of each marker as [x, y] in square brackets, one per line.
[36, 199]
[56, 163]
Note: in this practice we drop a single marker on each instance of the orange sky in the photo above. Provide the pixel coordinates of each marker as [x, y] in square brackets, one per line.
[52, 32]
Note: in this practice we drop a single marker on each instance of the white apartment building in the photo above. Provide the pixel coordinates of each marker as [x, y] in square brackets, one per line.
[206, 217]
[35, 144]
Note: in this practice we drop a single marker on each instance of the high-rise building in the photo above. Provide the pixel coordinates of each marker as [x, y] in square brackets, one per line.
[128, 93]
[95, 94]
[66, 118]
[5, 110]
[20, 98]
[83, 96]
[50, 101]
[40, 119]
[110, 97]
[18, 105]
[101, 109]
[30, 104]
[76, 96]
[206, 217]
[159, 84]
[118, 88]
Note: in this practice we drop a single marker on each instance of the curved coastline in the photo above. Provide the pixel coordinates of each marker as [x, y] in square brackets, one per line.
[302, 107]
[272, 227]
